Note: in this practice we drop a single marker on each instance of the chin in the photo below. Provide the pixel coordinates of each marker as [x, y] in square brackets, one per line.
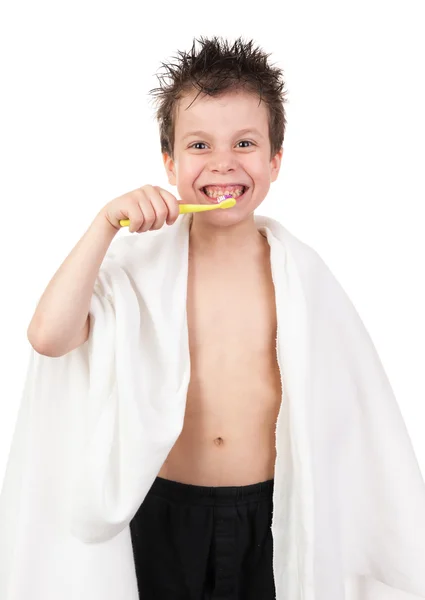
[225, 217]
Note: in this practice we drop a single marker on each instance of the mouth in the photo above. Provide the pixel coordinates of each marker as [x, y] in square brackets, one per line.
[236, 191]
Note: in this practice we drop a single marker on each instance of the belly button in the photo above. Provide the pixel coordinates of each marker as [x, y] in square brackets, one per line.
[218, 441]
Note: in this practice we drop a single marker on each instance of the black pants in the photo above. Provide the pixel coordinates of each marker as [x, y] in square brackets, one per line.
[204, 543]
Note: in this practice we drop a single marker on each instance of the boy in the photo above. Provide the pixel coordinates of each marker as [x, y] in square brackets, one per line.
[228, 141]
[204, 527]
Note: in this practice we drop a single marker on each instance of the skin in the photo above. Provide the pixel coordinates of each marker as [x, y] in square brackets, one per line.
[234, 394]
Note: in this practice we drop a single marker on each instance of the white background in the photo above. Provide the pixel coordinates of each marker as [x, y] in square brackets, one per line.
[77, 130]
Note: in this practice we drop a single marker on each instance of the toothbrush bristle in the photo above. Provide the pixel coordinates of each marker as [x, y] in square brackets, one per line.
[224, 197]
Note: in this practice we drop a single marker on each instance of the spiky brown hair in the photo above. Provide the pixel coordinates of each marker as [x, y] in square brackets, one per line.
[215, 68]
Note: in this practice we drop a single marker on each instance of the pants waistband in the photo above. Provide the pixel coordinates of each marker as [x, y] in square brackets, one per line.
[185, 493]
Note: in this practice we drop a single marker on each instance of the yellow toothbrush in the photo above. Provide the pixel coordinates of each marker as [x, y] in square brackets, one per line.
[226, 201]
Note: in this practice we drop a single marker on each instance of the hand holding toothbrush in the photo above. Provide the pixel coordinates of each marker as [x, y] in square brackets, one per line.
[149, 207]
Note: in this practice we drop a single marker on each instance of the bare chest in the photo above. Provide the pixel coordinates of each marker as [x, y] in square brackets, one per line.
[232, 338]
[234, 394]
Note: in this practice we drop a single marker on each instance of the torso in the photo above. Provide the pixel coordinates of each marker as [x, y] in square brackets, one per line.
[234, 394]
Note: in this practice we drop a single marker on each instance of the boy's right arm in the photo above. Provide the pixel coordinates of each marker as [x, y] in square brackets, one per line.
[61, 321]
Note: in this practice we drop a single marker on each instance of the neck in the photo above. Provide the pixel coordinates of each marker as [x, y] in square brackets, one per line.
[208, 239]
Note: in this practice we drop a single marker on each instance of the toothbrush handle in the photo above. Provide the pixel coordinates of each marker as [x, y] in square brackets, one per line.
[192, 208]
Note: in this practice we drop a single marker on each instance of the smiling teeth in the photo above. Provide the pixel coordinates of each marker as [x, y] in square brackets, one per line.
[217, 194]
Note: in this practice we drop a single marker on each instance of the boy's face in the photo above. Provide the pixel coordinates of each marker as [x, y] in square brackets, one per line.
[221, 141]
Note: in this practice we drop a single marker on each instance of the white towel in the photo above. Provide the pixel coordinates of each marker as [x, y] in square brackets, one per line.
[95, 426]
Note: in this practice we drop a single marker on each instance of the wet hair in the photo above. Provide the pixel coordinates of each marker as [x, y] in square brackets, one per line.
[216, 68]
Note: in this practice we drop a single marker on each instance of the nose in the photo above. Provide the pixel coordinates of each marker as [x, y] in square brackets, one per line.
[222, 162]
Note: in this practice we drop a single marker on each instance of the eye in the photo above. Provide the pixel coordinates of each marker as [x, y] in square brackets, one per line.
[245, 141]
[196, 143]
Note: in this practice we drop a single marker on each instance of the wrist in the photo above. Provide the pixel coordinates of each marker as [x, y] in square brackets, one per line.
[104, 225]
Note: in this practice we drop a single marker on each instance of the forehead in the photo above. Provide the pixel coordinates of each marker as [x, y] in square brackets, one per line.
[231, 111]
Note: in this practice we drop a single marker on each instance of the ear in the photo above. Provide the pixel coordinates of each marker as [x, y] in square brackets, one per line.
[275, 163]
[170, 168]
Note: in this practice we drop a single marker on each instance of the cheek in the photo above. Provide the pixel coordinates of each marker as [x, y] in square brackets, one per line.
[187, 175]
[257, 168]
[188, 170]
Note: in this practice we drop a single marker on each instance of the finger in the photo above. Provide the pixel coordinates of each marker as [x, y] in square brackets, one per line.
[160, 207]
[147, 212]
[135, 215]
[172, 205]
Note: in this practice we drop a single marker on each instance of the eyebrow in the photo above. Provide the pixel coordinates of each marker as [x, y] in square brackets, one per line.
[241, 132]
